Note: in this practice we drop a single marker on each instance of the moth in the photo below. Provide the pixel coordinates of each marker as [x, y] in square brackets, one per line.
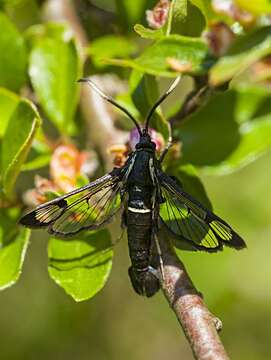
[150, 202]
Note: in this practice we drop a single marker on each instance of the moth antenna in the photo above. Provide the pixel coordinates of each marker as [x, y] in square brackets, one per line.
[112, 101]
[160, 100]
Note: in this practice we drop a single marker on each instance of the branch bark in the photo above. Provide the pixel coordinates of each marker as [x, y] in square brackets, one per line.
[199, 325]
[193, 101]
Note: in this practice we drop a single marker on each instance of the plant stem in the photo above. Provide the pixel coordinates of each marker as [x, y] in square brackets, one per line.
[199, 325]
[170, 17]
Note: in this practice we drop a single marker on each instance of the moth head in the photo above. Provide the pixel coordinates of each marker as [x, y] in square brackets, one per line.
[145, 141]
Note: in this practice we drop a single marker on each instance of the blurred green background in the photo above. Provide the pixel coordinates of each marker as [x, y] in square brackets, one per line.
[39, 321]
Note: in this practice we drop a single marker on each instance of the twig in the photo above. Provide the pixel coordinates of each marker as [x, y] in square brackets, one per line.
[193, 101]
[199, 325]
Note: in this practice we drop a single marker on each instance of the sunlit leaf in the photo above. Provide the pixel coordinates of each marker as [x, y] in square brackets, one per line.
[81, 266]
[246, 51]
[154, 60]
[40, 153]
[255, 140]
[8, 103]
[187, 19]
[37, 162]
[17, 141]
[13, 242]
[179, 9]
[110, 46]
[250, 98]
[57, 31]
[13, 57]
[148, 33]
[54, 70]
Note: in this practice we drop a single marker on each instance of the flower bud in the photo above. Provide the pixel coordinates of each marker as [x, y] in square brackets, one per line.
[157, 17]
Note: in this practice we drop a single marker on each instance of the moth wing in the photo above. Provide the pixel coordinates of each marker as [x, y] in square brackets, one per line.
[189, 221]
[88, 207]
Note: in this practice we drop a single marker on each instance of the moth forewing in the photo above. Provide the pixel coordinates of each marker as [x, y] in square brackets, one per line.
[88, 207]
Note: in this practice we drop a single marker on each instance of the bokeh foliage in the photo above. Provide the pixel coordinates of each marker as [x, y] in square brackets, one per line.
[40, 62]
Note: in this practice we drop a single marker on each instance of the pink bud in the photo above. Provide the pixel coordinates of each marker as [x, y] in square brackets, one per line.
[157, 17]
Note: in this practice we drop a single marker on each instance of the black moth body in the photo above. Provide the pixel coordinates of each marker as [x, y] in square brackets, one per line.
[150, 202]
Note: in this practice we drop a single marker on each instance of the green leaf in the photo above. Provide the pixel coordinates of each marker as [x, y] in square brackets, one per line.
[255, 141]
[211, 134]
[8, 217]
[179, 10]
[131, 12]
[13, 57]
[54, 70]
[146, 33]
[37, 162]
[187, 19]
[224, 141]
[37, 32]
[8, 103]
[17, 141]
[13, 242]
[110, 46]
[250, 98]
[144, 95]
[205, 7]
[246, 51]
[23, 13]
[40, 153]
[258, 7]
[154, 60]
[81, 266]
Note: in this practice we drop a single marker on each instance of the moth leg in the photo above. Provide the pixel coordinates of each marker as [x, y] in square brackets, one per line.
[159, 252]
[123, 223]
[119, 237]
[123, 226]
